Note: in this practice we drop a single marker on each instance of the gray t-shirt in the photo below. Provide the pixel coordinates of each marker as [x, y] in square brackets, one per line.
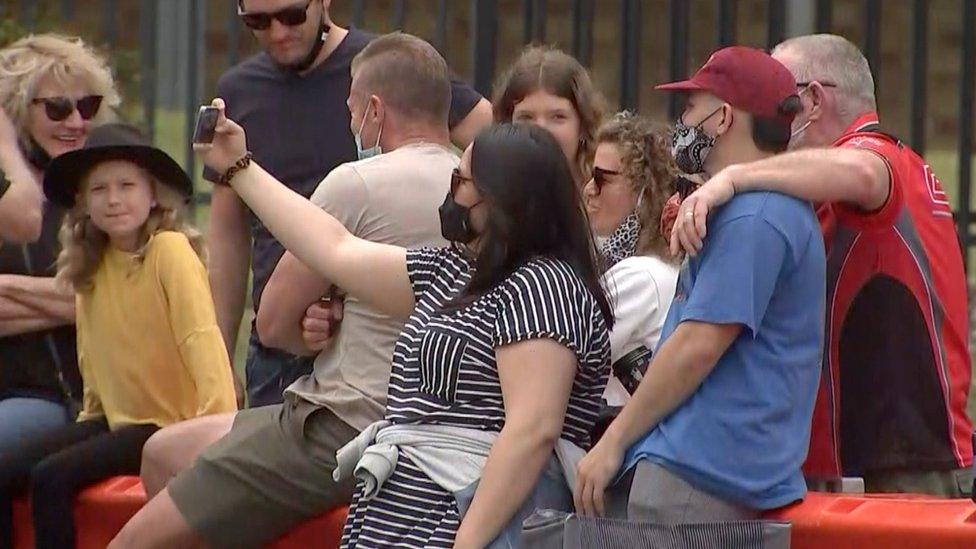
[298, 128]
[392, 199]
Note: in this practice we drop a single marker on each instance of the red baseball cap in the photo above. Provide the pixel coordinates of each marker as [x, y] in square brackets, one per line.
[746, 78]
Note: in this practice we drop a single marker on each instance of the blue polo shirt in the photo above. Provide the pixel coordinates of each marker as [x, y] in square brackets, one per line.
[743, 435]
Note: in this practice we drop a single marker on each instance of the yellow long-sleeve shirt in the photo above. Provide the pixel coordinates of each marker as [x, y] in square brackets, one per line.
[149, 349]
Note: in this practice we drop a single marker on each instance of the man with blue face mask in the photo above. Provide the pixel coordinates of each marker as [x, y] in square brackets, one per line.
[719, 425]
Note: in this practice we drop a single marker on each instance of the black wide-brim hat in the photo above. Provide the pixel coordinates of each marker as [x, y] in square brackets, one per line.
[111, 142]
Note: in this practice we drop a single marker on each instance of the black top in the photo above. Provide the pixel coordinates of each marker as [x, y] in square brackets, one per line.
[29, 362]
[298, 127]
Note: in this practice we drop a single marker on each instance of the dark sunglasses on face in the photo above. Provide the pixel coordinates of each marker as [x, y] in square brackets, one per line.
[456, 179]
[600, 177]
[291, 16]
[60, 108]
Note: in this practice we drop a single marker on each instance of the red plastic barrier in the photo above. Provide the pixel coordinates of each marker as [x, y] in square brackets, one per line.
[880, 521]
[822, 521]
[102, 510]
[324, 531]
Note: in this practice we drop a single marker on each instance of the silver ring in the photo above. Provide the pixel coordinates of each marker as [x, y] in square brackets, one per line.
[689, 214]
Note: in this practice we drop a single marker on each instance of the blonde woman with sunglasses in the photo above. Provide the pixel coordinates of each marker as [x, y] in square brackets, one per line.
[53, 90]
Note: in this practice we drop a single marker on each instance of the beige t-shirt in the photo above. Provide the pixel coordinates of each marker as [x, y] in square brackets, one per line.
[393, 199]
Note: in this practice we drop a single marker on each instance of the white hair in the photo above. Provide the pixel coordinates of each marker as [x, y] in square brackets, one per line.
[834, 59]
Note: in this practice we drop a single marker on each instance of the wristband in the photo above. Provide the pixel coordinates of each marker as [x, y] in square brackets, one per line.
[241, 164]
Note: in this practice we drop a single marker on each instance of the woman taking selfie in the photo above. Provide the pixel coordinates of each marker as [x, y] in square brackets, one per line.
[505, 351]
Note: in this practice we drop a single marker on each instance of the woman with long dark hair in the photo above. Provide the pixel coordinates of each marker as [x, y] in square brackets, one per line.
[504, 355]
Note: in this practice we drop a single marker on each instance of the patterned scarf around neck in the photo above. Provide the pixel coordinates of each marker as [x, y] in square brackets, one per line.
[622, 243]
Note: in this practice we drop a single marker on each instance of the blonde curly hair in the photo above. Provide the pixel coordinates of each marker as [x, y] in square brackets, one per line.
[27, 61]
[646, 162]
[83, 244]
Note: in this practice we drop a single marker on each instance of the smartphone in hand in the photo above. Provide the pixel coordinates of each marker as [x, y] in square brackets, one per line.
[206, 124]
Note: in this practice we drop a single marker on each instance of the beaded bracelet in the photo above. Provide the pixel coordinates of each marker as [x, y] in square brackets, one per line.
[241, 164]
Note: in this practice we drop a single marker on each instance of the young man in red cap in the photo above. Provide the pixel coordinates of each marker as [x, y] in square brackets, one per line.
[718, 428]
[896, 369]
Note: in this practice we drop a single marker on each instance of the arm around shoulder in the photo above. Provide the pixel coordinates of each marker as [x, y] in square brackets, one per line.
[839, 174]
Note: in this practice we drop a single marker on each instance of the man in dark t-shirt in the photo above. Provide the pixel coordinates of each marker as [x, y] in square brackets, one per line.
[291, 100]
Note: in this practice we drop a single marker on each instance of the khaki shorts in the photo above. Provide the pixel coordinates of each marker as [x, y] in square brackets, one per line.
[271, 472]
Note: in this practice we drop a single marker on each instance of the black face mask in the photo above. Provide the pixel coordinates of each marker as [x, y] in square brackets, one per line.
[455, 221]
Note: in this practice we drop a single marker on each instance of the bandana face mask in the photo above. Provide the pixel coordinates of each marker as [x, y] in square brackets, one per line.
[690, 145]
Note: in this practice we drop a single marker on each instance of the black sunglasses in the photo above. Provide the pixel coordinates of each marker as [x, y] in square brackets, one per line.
[600, 177]
[60, 108]
[456, 179]
[291, 16]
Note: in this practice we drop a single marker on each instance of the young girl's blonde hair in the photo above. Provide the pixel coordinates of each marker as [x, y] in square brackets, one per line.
[25, 62]
[83, 244]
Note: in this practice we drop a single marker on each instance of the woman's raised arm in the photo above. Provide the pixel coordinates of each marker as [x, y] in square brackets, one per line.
[374, 273]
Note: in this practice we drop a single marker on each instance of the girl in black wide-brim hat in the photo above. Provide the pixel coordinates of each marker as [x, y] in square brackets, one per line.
[149, 349]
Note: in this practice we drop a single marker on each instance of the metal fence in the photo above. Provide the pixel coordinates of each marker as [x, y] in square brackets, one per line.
[188, 35]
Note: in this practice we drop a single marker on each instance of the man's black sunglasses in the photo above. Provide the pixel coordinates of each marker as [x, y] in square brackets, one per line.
[60, 108]
[291, 16]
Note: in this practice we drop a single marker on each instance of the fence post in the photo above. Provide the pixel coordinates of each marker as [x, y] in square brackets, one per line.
[233, 35]
[726, 22]
[399, 14]
[630, 69]
[196, 27]
[111, 29]
[67, 9]
[440, 31]
[484, 25]
[358, 12]
[872, 40]
[147, 63]
[679, 50]
[920, 45]
[967, 83]
[776, 29]
[583, 31]
[824, 15]
[534, 21]
[28, 13]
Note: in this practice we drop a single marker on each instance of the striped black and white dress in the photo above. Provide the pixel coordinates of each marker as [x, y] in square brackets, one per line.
[444, 372]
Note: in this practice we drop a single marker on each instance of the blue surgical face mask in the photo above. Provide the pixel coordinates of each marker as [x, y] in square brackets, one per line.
[375, 149]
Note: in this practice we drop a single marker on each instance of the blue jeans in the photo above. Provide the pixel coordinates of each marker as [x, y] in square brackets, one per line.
[269, 372]
[551, 492]
[23, 419]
